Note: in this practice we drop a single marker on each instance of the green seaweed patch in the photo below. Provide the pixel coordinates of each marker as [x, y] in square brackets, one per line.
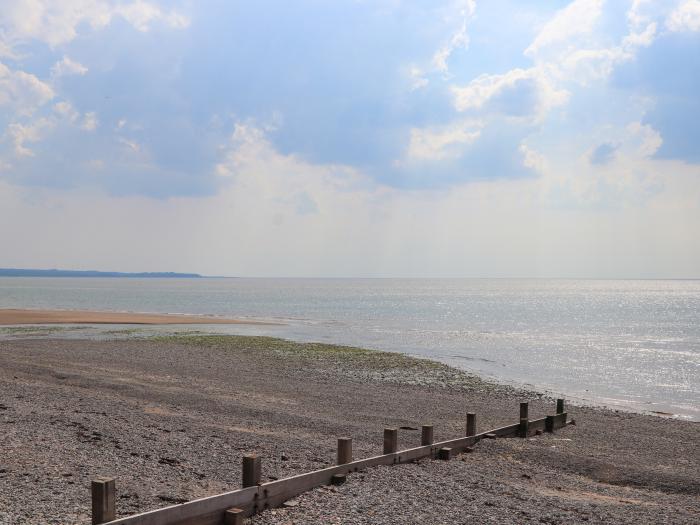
[353, 363]
[123, 331]
[35, 330]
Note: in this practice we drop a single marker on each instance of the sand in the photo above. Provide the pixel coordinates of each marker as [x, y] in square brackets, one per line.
[171, 417]
[17, 317]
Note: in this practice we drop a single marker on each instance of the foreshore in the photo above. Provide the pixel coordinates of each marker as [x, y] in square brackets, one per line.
[25, 316]
[171, 417]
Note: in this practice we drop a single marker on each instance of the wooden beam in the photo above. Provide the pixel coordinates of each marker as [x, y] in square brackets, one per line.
[210, 510]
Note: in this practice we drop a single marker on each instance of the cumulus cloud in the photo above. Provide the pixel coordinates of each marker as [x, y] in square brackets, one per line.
[66, 66]
[577, 18]
[21, 134]
[518, 92]
[686, 17]
[22, 91]
[444, 142]
[57, 23]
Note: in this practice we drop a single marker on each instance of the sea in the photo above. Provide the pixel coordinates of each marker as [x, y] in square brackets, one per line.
[626, 344]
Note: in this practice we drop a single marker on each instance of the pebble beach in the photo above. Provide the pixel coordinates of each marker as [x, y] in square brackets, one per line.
[171, 417]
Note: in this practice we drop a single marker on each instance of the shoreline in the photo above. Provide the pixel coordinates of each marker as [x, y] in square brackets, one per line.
[171, 416]
[16, 316]
[149, 328]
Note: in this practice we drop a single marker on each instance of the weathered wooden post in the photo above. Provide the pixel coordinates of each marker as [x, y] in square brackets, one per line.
[391, 440]
[426, 435]
[524, 420]
[103, 500]
[560, 406]
[234, 516]
[471, 424]
[344, 450]
[251, 470]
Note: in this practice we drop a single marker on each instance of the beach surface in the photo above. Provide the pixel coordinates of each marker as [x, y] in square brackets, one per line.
[19, 316]
[171, 417]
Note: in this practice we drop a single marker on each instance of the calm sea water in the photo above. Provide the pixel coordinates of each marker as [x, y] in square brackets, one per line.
[633, 344]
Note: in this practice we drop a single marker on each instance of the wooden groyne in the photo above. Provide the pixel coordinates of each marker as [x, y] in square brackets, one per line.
[230, 508]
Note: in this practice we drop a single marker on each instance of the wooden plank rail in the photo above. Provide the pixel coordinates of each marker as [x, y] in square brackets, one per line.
[230, 507]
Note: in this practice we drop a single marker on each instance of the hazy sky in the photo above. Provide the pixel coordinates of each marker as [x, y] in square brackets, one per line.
[352, 137]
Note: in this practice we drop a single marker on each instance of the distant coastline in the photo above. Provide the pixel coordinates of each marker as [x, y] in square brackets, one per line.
[22, 272]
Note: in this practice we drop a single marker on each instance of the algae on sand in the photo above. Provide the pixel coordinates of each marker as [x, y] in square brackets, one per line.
[352, 362]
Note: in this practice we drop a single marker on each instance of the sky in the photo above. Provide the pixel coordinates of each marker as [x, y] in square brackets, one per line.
[353, 138]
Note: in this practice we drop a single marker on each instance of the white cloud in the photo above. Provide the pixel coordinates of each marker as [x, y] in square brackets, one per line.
[579, 17]
[459, 40]
[66, 111]
[686, 17]
[66, 66]
[442, 142]
[90, 121]
[479, 92]
[21, 134]
[57, 22]
[417, 77]
[22, 91]
[647, 139]
[568, 221]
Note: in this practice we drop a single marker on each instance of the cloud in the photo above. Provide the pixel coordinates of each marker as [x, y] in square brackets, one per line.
[57, 23]
[519, 92]
[90, 121]
[686, 17]
[577, 18]
[20, 135]
[459, 40]
[567, 222]
[22, 91]
[66, 66]
[444, 142]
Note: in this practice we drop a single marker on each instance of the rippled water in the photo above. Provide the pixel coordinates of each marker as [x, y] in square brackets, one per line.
[625, 343]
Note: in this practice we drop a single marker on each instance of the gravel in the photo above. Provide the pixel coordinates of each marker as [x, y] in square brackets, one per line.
[171, 417]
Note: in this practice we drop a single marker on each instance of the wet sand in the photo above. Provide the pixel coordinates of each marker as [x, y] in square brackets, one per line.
[17, 317]
[171, 417]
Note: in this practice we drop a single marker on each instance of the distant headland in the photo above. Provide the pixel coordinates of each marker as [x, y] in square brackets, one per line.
[22, 272]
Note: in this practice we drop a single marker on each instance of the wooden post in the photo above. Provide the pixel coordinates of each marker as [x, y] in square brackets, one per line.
[426, 435]
[524, 427]
[524, 420]
[560, 406]
[391, 440]
[471, 424]
[234, 516]
[549, 424]
[251, 470]
[103, 500]
[524, 410]
[344, 450]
